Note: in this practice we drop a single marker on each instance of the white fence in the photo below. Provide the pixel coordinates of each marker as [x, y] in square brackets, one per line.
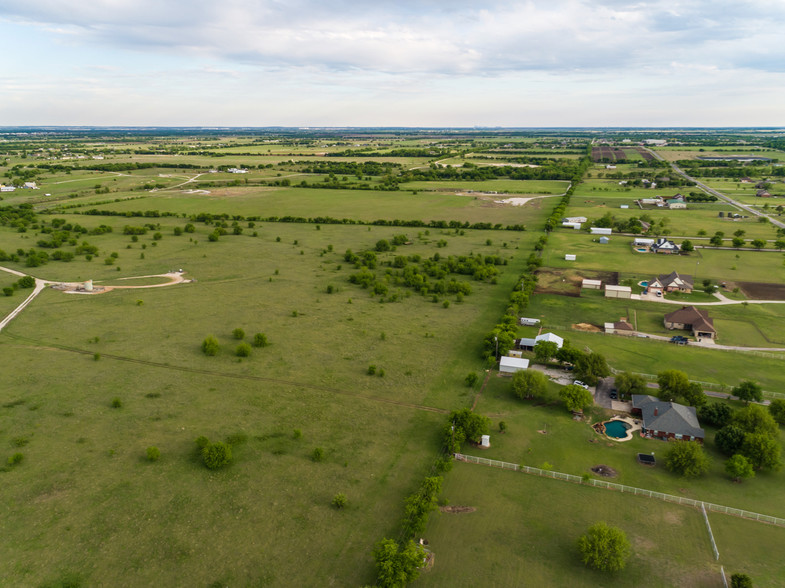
[711, 534]
[744, 514]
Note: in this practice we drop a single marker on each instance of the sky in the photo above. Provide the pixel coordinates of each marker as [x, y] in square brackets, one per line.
[424, 63]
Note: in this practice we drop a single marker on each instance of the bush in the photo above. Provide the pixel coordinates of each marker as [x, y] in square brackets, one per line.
[297, 434]
[210, 346]
[117, 403]
[8, 291]
[238, 334]
[371, 370]
[202, 442]
[260, 340]
[216, 455]
[529, 384]
[740, 581]
[339, 500]
[243, 350]
[153, 454]
[15, 459]
[471, 379]
[26, 282]
[317, 454]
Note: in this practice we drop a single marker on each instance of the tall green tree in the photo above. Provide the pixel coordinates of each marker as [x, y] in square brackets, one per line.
[762, 451]
[748, 391]
[628, 384]
[738, 467]
[604, 548]
[528, 384]
[777, 410]
[687, 458]
[590, 368]
[673, 384]
[397, 565]
[756, 419]
[576, 398]
[545, 350]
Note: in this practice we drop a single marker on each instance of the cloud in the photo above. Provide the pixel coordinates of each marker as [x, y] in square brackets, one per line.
[438, 37]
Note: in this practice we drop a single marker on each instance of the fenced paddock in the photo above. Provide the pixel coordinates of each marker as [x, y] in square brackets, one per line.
[699, 504]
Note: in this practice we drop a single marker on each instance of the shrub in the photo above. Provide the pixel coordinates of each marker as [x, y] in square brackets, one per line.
[153, 454]
[202, 442]
[339, 500]
[210, 346]
[117, 403]
[740, 581]
[471, 379]
[26, 282]
[8, 291]
[317, 454]
[216, 455]
[297, 434]
[243, 350]
[687, 458]
[371, 370]
[238, 334]
[15, 459]
[260, 340]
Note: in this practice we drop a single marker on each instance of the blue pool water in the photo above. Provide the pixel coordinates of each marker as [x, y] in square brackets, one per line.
[644, 283]
[616, 429]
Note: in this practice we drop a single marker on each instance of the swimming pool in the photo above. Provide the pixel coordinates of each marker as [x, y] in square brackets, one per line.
[616, 429]
[641, 249]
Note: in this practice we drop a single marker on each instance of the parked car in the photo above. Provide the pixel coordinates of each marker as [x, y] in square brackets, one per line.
[659, 293]
[614, 395]
[581, 384]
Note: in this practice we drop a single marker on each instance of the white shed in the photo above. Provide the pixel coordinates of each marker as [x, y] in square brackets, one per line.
[486, 441]
[529, 322]
[604, 240]
[571, 225]
[510, 365]
[600, 231]
[591, 284]
[643, 242]
[570, 257]
[617, 291]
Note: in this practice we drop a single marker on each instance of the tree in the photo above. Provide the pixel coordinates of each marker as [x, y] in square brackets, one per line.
[747, 391]
[729, 439]
[756, 419]
[568, 354]
[529, 384]
[687, 246]
[604, 548]
[591, 368]
[740, 581]
[396, 567]
[737, 242]
[243, 350]
[761, 450]
[210, 346]
[545, 350]
[238, 333]
[716, 240]
[758, 243]
[694, 395]
[779, 244]
[739, 233]
[260, 340]
[738, 467]
[576, 398]
[628, 384]
[464, 425]
[777, 410]
[687, 459]
[673, 384]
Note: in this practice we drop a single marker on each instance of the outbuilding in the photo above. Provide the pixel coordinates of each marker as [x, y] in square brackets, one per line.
[604, 240]
[617, 291]
[591, 284]
[600, 231]
[510, 365]
[529, 322]
[570, 257]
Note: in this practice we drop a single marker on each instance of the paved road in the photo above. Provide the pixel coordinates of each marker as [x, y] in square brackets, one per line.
[716, 193]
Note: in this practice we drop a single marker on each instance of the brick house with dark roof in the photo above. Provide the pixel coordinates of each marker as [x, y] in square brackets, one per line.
[690, 318]
[667, 420]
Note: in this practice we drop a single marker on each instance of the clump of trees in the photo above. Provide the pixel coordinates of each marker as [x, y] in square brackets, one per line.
[753, 433]
[464, 425]
[397, 564]
[675, 385]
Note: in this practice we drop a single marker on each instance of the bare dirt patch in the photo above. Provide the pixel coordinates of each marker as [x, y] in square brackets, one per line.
[586, 327]
[567, 282]
[674, 518]
[604, 471]
[762, 290]
[457, 509]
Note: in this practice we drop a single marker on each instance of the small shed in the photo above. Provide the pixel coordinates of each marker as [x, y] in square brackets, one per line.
[591, 284]
[642, 241]
[510, 365]
[572, 225]
[515, 353]
[570, 257]
[604, 240]
[618, 291]
[486, 441]
[600, 231]
[529, 322]
[624, 206]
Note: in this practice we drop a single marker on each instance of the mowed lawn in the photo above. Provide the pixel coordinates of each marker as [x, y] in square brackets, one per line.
[525, 529]
[85, 504]
[352, 204]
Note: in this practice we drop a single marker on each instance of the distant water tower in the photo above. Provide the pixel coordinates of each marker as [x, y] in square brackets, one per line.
[88, 286]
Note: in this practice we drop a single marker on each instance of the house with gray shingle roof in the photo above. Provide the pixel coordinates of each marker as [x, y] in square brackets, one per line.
[667, 420]
[691, 318]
